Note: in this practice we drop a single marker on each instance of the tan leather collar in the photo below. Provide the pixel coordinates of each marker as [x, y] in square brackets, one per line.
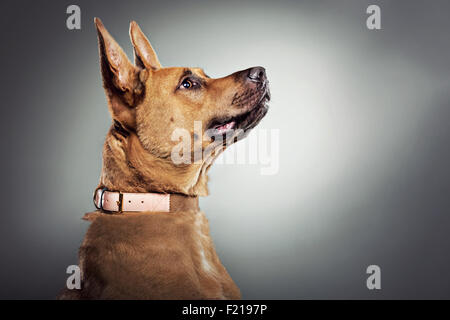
[117, 202]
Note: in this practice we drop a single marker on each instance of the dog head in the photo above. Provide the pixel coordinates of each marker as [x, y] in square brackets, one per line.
[152, 102]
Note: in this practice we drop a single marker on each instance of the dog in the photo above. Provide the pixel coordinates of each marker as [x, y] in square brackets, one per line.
[148, 238]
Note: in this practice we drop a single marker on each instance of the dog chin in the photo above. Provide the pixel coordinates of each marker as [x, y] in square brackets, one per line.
[243, 122]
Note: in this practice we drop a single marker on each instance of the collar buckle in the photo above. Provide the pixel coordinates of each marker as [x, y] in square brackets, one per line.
[100, 203]
[120, 203]
[100, 206]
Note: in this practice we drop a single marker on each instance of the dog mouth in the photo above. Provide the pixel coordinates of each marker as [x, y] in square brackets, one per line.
[245, 121]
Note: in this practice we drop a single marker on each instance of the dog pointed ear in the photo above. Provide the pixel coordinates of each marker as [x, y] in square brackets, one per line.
[120, 77]
[145, 56]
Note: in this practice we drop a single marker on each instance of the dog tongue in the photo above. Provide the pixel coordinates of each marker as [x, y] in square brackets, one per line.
[225, 127]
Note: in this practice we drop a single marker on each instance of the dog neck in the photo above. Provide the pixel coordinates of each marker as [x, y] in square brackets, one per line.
[129, 167]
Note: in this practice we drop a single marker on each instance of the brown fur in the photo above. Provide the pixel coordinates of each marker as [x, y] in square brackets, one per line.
[158, 255]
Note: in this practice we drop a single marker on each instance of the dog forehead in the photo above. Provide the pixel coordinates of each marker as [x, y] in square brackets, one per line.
[179, 72]
[199, 71]
[192, 71]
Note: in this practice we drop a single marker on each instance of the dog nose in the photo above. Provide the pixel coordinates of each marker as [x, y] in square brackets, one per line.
[257, 74]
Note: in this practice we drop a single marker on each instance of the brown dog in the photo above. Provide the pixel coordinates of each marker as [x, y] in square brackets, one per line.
[166, 253]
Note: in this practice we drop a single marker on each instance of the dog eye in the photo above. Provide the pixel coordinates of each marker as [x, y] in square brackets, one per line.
[188, 84]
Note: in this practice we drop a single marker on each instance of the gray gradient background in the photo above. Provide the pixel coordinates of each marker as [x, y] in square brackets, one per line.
[364, 151]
